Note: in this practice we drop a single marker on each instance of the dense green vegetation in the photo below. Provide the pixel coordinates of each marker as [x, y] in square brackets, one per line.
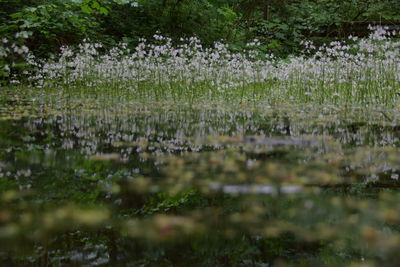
[203, 133]
[277, 23]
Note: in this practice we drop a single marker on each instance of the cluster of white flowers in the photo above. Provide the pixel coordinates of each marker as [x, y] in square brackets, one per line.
[8, 47]
[12, 52]
[359, 71]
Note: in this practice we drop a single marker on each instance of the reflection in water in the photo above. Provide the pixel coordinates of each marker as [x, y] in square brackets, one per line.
[138, 184]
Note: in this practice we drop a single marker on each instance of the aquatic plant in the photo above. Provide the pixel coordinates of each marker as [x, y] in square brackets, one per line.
[357, 71]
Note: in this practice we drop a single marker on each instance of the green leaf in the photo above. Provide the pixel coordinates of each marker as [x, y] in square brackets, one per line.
[86, 9]
[103, 11]
[96, 5]
[31, 9]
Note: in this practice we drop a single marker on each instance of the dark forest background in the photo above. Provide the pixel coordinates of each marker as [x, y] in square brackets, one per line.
[279, 25]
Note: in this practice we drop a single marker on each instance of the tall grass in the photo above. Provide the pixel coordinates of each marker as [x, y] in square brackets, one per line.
[356, 71]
